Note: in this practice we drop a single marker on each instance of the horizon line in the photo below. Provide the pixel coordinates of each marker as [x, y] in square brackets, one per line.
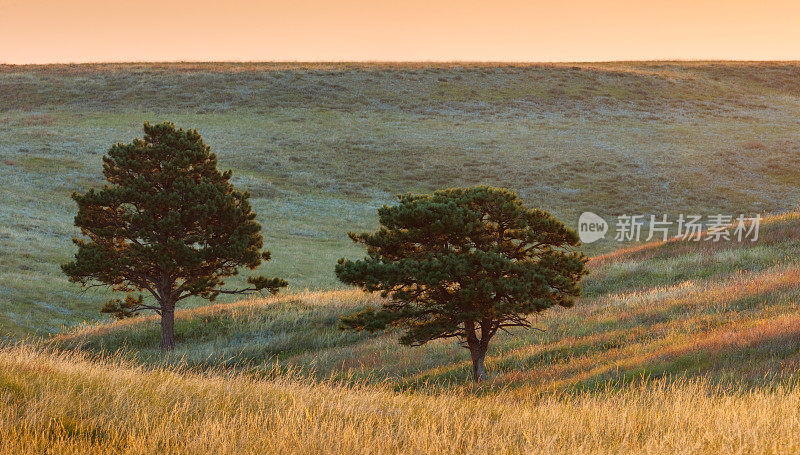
[389, 62]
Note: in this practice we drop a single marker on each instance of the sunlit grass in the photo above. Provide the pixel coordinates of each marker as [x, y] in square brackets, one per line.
[61, 403]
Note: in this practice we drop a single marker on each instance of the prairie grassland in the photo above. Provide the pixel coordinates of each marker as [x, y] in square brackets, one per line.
[62, 403]
[321, 146]
[696, 351]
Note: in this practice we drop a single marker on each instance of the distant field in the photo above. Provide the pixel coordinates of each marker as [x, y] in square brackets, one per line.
[321, 146]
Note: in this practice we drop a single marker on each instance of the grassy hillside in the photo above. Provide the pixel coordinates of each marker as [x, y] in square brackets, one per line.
[320, 146]
[677, 347]
[726, 312]
[64, 404]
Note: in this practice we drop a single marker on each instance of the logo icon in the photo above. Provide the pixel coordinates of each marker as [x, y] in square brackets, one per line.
[591, 227]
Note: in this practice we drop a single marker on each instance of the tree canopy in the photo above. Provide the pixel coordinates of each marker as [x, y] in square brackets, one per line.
[463, 263]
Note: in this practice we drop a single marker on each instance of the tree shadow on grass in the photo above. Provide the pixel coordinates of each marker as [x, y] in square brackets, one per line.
[748, 357]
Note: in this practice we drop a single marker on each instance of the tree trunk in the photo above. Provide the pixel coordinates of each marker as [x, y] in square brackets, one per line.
[478, 354]
[167, 329]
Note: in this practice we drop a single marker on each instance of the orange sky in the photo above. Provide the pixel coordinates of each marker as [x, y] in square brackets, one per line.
[45, 31]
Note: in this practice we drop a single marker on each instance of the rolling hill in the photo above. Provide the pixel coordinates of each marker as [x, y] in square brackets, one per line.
[321, 146]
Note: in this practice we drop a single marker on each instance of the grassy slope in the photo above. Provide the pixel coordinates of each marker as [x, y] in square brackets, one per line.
[694, 351]
[320, 146]
[727, 312]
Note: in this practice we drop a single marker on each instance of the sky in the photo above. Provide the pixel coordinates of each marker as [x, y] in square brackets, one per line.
[71, 31]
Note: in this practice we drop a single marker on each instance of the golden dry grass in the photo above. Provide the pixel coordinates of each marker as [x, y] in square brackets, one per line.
[61, 403]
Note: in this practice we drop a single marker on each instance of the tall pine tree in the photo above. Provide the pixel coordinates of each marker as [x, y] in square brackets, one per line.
[463, 263]
[169, 224]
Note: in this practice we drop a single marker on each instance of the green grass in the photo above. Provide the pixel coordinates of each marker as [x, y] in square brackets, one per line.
[321, 146]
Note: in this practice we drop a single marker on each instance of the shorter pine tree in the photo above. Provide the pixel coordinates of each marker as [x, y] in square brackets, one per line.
[463, 263]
